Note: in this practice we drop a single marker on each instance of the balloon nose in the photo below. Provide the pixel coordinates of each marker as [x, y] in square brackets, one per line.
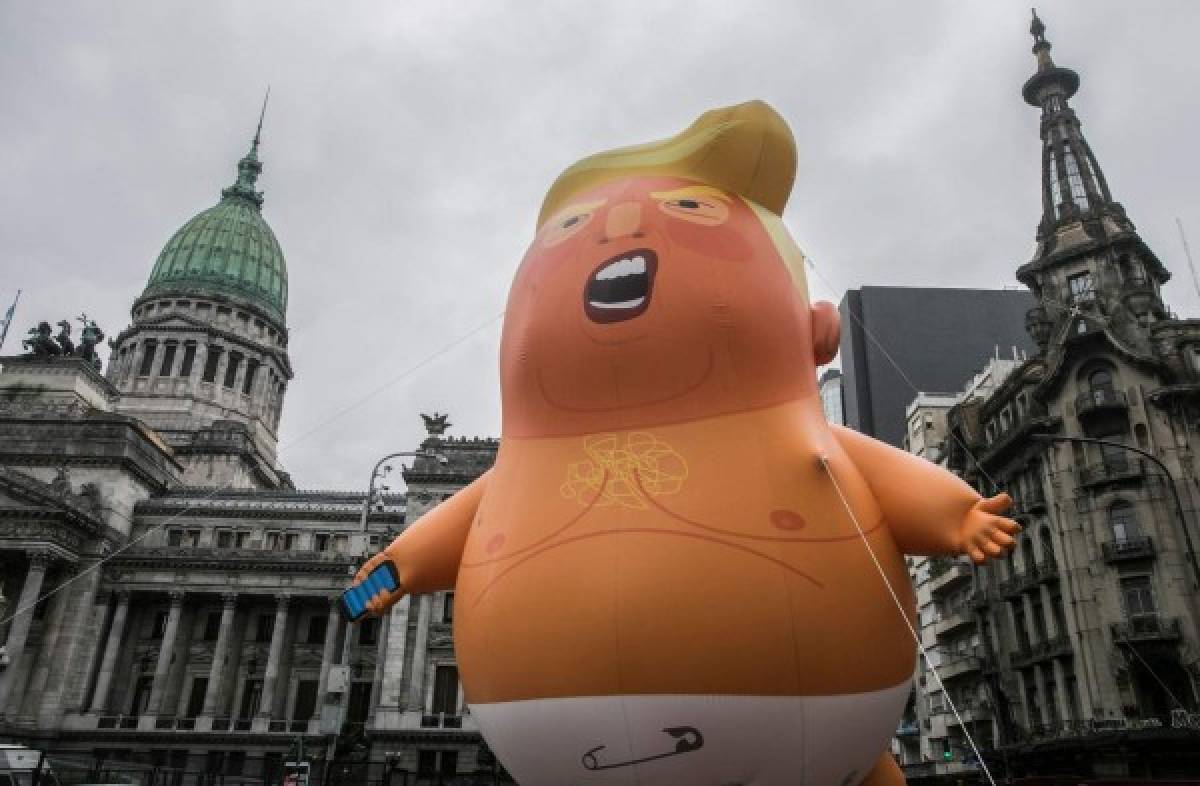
[623, 219]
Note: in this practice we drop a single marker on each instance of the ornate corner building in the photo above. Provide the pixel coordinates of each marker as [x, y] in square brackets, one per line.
[171, 593]
[1079, 654]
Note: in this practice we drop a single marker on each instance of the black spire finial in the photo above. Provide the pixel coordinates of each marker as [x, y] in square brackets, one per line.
[261, 115]
[1037, 29]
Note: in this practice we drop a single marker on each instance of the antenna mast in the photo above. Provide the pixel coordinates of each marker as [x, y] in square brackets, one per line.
[1188, 253]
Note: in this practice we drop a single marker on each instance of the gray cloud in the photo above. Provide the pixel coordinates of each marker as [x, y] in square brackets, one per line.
[408, 146]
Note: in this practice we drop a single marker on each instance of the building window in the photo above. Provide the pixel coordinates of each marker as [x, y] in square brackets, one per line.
[271, 541]
[1137, 595]
[212, 625]
[159, 626]
[175, 538]
[148, 359]
[191, 538]
[168, 359]
[1052, 175]
[242, 539]
[189, 358]
[224, 539]
[1194, 354]
[339, 543]
[305, 706]
[251, 698]
[266, 626]
[368, 632]
[235, 762]
[210, 364]
[1082, 287]
[1074, 178]
[231, 369]
[248, 383]
[1123, 520]
[1101, 383]
[316, 629]
[448, 608]
[321, 541]
[445, 689]
[289, 541]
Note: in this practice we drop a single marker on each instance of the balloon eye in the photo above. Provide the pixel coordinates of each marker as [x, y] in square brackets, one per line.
[690, 204]
[572, 221]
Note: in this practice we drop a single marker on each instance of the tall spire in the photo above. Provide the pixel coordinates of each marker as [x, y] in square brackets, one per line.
[1073, 187]
[249, 168]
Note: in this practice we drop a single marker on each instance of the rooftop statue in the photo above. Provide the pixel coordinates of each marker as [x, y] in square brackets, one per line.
[436, 424]
[40, 343]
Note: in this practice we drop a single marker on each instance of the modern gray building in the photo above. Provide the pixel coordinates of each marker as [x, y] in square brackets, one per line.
[898, 341]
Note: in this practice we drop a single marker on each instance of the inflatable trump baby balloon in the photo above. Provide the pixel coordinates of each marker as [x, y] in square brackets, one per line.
[677, 573]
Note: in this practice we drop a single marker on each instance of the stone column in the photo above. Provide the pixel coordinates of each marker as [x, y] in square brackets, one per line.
[48, 654]
[163, 668]
[111, 649]
[391, 698]
[274, 655]
[80, 597]
[216, 672]
[22, 612]
[416, 682]
[329, 651]
[380, 661]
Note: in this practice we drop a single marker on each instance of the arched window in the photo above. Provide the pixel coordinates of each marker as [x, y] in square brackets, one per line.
[1100, 379]
[1047, 545]
[1123, 520]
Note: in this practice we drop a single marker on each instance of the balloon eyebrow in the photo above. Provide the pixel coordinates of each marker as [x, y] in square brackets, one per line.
[692, 192]
[575, 209]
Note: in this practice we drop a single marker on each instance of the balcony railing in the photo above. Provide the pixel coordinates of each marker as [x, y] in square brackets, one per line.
[1026, 580]
[1127, 548]
[441, 720]
[952, 621]
[910, 729]
[960, 666]
[1111, 470]
[952, 576]
[1100, 399]
[1047, 571]
[1045, 649]
[1147, 627]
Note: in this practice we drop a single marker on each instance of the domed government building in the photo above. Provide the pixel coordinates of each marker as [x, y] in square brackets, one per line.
[187, 625]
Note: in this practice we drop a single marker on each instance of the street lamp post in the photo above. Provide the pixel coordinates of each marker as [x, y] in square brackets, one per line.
[1187, 538]
[378, 471]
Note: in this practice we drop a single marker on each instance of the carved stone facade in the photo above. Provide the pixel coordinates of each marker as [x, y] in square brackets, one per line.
[1080, 653]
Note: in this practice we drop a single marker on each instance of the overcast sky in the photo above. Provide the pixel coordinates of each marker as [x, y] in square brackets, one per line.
[407, 148]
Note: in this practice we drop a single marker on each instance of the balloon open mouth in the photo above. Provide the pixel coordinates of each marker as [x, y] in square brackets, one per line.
[620, 288]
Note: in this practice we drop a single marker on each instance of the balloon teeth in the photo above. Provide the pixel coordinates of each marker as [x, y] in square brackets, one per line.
[623, 304]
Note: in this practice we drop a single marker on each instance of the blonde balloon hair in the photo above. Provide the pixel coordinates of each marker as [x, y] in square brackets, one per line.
[747, 150]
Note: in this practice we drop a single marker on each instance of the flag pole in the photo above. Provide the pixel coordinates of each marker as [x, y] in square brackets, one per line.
[8, 318]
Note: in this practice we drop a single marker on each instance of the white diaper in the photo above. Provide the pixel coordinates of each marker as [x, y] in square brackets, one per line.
[670, 740]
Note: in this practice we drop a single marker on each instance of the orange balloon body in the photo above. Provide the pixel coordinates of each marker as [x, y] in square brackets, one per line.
[665, 553]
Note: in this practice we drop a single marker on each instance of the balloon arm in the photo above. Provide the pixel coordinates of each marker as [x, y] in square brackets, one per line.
[427, 554]
[928, 510]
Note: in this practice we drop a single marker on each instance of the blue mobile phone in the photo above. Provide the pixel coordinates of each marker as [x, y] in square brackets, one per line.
[353, 603]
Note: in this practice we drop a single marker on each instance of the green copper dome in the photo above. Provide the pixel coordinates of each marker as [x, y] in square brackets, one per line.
[228, 249]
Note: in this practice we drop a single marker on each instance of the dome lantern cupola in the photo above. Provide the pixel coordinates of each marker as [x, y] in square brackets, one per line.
[227, 250]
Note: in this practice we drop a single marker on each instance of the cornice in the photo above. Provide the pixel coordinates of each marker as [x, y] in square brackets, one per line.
[233, 560]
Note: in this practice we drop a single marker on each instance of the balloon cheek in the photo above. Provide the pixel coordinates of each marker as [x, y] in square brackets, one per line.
[720, 242]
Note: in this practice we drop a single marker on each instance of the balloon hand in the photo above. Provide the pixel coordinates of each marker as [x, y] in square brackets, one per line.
[985, 534]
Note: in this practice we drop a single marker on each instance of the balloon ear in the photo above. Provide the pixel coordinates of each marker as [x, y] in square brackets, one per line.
[826, 332]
